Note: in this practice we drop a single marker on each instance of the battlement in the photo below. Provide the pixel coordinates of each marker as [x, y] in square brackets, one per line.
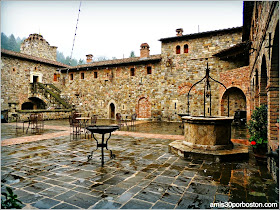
[36, 45]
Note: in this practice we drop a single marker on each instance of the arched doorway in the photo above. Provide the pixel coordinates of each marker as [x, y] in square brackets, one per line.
[112, 111]
[27, 106]
[263, 82]
[33, 103]
[237, 101]
[144, 108]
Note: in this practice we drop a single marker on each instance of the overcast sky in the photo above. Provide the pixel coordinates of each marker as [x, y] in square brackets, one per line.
[115, 28]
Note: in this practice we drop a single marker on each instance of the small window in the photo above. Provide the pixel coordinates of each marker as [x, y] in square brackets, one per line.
[82, 75]
[35, 68]
[186, 48]
[178, 49]
[95, 74]
[71, 76]
[132, 72]
[55, 77]
[149, 70]
[14, 69]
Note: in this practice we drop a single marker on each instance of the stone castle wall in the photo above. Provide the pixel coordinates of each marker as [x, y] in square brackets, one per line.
[16, 76]
[36, 45]
[164, 91]
[264, 60]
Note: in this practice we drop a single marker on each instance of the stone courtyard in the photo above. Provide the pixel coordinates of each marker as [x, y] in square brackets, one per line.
[54, 173]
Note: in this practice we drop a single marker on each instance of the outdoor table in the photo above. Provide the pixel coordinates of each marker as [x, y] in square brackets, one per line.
[102, 129]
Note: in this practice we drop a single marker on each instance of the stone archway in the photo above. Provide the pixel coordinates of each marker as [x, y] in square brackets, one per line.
[144, 108]
[112, 111]
[237, 101]
[33, 103]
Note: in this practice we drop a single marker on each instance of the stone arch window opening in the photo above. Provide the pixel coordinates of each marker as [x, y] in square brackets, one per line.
[71, 76]
[186, 48]
[55, 77]
[95, 75]
[82, 75]
[14, 69]
[149, 70]
[257, 79]
[132, 72]
[178, 49]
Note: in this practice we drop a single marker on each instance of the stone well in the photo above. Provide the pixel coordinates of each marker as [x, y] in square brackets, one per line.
[207, 133]
[208, 137]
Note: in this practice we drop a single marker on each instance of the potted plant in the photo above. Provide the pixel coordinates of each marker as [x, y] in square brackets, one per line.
[257, 127]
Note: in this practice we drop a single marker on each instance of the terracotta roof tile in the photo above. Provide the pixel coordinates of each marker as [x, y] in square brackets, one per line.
[118, 62]
[33, 58]
[201, 34]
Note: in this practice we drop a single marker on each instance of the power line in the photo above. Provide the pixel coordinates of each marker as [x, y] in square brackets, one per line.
[75, 33]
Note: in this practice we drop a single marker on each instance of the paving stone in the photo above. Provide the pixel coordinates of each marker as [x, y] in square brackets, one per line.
[221, 198]
[65, 195]
[45, 203]
[192, 200]
[157, 187]
[164, 179]
[104, 204]
[115, 190]
[136, 204]
[64, 206]
[163, 205]
[82, 200]
[175, 189]
[208, 190]
[123, 180]
[182, 181]
[148, 196]
[37, 187]
[170, 198]
[53, 191]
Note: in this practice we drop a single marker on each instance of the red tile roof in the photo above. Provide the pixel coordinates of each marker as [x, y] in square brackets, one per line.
[152, 58]
[32, 58]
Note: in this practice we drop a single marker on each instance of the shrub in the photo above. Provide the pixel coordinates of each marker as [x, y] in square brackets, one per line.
[11, 201]
[258, 127]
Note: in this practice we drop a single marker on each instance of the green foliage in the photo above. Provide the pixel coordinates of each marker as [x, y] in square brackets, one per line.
[11, 201]
[10, 43]
[132, 55]
[258, 127]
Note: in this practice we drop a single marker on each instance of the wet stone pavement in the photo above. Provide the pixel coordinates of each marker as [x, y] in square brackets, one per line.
[55, 174]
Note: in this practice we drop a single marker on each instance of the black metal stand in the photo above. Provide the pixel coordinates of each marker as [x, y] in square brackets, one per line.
[102, 145]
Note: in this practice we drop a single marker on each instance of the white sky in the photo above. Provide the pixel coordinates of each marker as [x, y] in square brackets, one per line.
[115, 28]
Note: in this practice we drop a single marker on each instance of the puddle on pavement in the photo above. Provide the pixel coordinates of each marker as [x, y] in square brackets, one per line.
[10, 131]
[141, 163]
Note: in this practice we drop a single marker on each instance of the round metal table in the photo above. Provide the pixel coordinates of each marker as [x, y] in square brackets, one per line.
[102, 129]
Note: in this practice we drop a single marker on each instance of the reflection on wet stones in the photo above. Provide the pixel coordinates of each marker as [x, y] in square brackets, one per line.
[142, 175]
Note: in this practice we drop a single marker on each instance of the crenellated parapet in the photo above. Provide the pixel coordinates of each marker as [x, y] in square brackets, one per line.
[36, 45]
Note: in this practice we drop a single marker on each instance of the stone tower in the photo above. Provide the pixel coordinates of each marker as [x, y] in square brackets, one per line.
[144, 50]
[36, 45]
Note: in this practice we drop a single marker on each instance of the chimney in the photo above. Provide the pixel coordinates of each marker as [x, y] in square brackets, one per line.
[144, 50]
[89, 58]
[179, 32]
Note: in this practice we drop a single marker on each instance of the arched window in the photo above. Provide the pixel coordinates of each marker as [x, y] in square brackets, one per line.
[132, 72]
[186, 48]
[178, 49]
[149, 70]
[54, 77]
